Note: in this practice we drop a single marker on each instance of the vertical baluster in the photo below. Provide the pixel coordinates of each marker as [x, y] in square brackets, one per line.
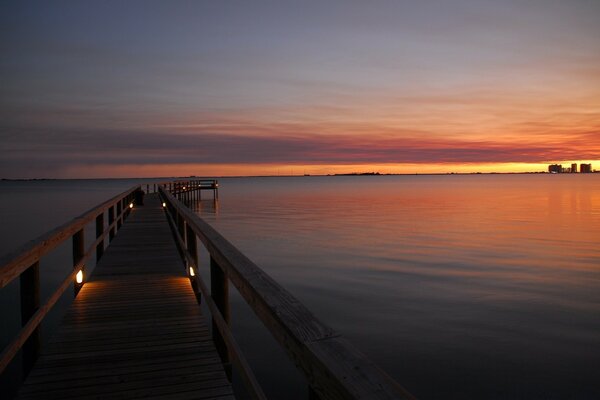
[111, 220]
[119, 212]
[181, 226]
[125, 207]
[192, 248]
[78, 253]
[139, 197]
[30, 303]
[219, 291]
[99, 232]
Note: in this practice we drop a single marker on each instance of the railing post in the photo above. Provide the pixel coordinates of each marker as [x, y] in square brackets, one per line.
[119, 212]
[99, 232]
[139, 197]
[181, 226]
[125, 202]
[78, 253]
[192, 248]
[30, 303]
[111, 220]
[219, 291]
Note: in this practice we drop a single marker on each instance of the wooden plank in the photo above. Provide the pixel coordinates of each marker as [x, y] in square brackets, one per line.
[135, 329]
[50, 375]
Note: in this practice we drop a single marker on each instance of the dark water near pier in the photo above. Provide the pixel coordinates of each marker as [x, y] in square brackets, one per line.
[482, 286]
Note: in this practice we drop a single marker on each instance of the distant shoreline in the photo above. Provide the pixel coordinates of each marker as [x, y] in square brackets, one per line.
[300, 176]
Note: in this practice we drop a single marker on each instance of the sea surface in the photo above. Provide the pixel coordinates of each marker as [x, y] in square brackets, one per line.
[458, 286]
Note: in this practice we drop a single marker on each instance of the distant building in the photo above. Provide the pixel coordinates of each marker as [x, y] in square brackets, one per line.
[555, 168]
[585, 168]
[573, 168]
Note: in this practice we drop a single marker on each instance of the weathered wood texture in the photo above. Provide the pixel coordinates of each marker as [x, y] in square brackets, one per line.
[334, 368]
[135, 329]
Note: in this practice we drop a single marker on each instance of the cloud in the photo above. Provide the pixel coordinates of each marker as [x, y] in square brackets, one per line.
[54, 152]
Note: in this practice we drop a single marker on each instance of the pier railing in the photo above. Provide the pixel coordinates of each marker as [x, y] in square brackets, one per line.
[24, 263]
[333, 367]
[188, 186]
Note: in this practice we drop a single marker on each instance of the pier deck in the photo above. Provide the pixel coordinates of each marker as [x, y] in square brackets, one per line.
[135, 328]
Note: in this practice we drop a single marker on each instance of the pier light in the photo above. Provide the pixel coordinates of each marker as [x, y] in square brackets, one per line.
[184, 188]
[192, 273]
[130, 205]
[164, 204]
[79, 276]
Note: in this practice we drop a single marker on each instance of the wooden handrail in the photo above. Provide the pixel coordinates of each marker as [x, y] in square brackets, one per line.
[28, 257]
[14, 264]
[333, 367]
[246, 373]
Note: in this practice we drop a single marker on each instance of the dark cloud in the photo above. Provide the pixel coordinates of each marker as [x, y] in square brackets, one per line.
[54, 151]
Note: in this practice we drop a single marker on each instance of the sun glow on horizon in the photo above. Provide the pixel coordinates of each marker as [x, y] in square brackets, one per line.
[224, 170]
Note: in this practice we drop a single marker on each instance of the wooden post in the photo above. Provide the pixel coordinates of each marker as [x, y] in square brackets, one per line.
[78, 253]
[139, 197]
[147, 188]
[99, 232]
[119, 212]
[111, 219]
[30, 303]
[219, 291]
[192, 248]
[181, 226]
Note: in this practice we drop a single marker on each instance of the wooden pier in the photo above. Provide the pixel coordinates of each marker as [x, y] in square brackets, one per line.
[135, 328]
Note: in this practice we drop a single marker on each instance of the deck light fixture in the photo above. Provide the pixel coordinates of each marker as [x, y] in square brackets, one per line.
[79, 277]
[164, 204]
[192, 273]
[184, 188]
[130, 205]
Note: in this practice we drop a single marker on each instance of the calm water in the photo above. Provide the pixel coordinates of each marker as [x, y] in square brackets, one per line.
[482, 286]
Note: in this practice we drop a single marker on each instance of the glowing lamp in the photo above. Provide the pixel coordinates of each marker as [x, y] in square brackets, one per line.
[130, 205]
[184, 188]
[192, 273]
[79, 276]
[164, 204]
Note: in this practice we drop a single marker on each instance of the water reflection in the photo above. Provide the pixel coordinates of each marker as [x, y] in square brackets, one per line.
[203, 207]
[458, 286]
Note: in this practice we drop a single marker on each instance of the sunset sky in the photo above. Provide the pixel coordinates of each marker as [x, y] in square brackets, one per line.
[178, 88]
